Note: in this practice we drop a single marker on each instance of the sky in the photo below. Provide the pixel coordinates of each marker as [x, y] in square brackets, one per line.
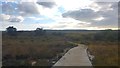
[59, 14]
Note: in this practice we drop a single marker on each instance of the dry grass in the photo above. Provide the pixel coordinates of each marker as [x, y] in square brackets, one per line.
[26, 48]
[106, 53]
[48, 46]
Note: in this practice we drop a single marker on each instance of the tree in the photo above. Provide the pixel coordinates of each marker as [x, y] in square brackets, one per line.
[39, 31]
[11, 30]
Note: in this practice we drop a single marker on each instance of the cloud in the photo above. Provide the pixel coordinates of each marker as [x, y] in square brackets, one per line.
[108, 12]
[73, 4]
[47, 4]
[28, 8]
[110, 15]
[106, 0]
[15, 12]
[85, 15]
[8, 8]
[119, 14]
[16, 19]
[4, 17]
[23, 8]
[76, 14]
[35, 18]
[11, 18]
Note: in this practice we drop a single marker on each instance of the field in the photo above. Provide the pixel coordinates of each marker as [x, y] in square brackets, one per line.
[106, 53]
[27, 47]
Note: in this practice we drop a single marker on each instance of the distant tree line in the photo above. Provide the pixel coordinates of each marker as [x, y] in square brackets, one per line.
[104, 35]
[12, 31]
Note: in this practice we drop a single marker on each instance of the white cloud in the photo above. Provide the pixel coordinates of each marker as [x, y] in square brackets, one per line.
[36, 18]
[28, 8]
[4, 17]
[47, 4]
[49, 12]
[99, 15]
[16, 19]
[11, 18]
[94, 6]
[99, 19]
[106, 0]
[73, 4]
[105, 16]
[28, 0]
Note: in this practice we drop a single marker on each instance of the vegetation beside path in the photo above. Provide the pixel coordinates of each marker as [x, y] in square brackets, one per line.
[21, 48]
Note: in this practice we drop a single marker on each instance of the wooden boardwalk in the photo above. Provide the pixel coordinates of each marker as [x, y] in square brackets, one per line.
[76, 56]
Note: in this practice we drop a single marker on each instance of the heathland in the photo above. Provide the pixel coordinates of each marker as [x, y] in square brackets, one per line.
[22, 48]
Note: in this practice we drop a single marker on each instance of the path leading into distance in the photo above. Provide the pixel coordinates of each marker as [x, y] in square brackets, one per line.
[76, 56]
